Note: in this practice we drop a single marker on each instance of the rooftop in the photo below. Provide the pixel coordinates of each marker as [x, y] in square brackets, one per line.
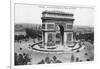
[57, 12]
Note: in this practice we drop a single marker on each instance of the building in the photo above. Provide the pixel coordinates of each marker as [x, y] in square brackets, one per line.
[57, 28]
[19, 30]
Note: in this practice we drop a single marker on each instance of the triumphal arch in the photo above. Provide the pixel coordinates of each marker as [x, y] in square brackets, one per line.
[57, 29]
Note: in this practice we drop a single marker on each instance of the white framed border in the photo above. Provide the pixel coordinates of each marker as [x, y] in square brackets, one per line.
[12, 33]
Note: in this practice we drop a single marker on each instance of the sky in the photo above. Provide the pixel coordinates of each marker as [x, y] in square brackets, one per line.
[32, 14]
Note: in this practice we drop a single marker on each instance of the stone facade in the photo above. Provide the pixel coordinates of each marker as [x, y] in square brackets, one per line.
[57, 29]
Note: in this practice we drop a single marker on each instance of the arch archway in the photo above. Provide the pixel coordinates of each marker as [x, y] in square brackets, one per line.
[61, 29]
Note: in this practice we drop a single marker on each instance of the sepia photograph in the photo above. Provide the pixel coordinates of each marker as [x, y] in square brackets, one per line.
[50, 34]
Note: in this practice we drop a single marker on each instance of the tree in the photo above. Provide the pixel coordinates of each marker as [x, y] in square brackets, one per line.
[22, 59]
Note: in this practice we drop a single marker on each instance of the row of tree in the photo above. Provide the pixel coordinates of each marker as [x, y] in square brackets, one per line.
[30, 33]
[85, 36]
[21, 59]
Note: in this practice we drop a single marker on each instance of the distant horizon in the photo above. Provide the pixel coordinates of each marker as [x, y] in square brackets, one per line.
[41, 24]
